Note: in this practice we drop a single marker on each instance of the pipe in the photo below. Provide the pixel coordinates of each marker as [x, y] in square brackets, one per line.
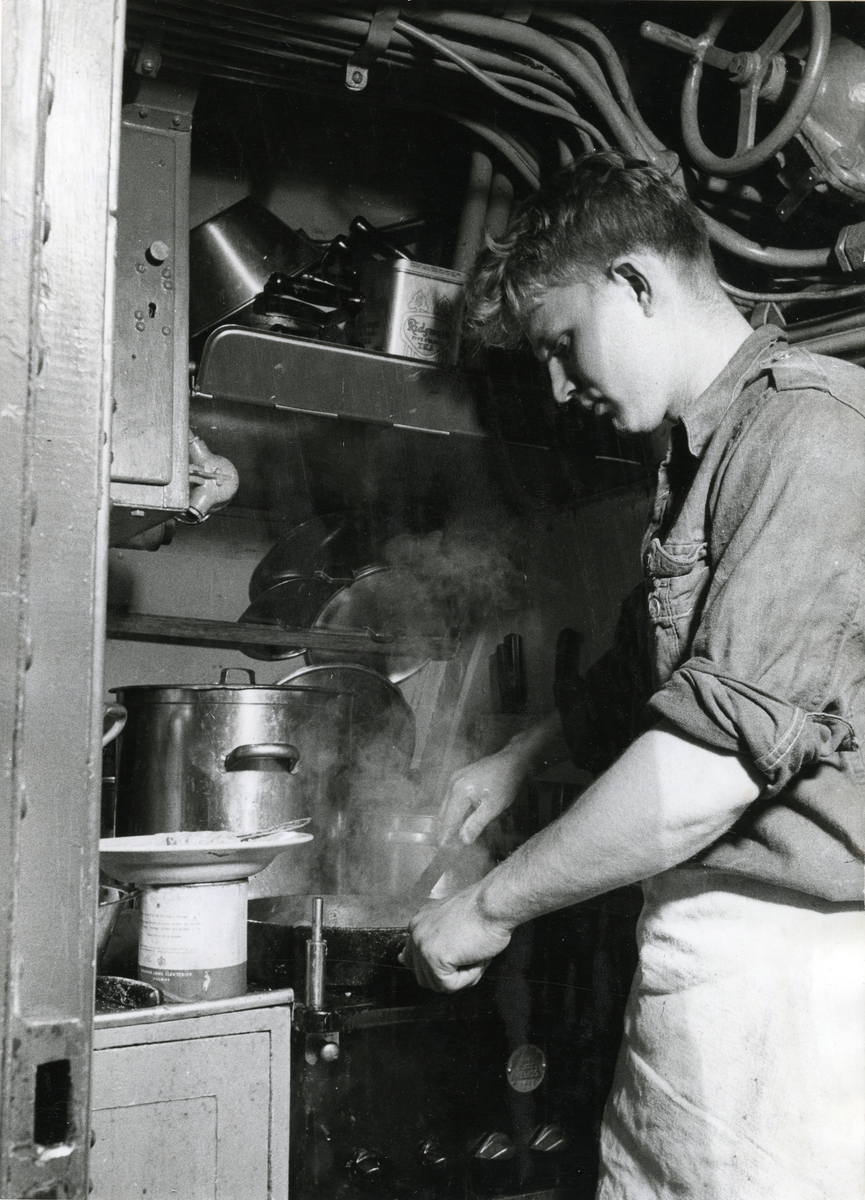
[529, 41]
[768, 256]
[562, 110]
[818, 329]
[471, 227]
[213, 479]
[248, 37]
[841, 293]
[837, 343]
[503, 142]
[614, 67]
[316, 957]
[500, 205]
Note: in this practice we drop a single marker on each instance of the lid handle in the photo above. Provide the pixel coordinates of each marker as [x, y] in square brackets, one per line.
[223, 674]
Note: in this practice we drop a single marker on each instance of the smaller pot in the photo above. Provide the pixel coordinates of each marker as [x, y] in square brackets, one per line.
[233, 254]
[365, 958]
[111, 900]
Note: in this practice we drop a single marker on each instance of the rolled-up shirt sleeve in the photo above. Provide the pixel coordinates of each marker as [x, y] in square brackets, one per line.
[775, 669]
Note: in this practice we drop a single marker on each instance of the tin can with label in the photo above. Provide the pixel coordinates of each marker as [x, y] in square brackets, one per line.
[192, 944]
[411, 309]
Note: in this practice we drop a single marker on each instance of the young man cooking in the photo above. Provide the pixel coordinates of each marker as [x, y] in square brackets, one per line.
[740, 808]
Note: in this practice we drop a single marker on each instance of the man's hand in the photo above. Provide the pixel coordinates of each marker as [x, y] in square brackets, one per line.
[480, 792]
[667, 798]
[452, 942]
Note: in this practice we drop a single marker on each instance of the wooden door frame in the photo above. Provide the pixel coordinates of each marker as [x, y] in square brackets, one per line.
[59, 123]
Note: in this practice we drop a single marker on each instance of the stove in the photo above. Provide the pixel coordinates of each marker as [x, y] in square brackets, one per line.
[489, 1094]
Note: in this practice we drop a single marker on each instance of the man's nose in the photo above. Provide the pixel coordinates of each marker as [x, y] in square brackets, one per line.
[564, 388]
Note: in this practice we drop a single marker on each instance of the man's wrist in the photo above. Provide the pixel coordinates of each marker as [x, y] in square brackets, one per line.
[489, 905]
[531, 747]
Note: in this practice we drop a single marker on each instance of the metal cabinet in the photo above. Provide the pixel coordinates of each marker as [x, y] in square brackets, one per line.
[192, 1101]
[150, 390]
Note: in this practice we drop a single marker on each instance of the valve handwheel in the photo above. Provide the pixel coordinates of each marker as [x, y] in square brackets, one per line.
[757, 73]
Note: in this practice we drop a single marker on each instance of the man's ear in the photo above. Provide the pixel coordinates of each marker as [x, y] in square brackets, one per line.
[627, 270]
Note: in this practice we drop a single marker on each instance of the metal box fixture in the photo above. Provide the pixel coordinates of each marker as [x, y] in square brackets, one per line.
[150, 385]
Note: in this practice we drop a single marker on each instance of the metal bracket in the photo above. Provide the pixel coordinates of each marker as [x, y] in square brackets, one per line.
[148, 60]
[376, 43]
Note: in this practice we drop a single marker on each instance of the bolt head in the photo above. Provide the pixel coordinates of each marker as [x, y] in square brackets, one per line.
[157, 252]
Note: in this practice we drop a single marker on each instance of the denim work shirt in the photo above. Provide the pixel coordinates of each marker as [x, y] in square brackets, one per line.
[747, 632]
[754, 562]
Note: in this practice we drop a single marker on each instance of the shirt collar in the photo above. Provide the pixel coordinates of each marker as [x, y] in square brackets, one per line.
[705, 414]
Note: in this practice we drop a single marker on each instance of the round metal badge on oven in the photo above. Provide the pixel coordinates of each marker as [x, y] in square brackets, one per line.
[526, 1068]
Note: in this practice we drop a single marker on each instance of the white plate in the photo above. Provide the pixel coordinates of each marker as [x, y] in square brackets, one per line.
[185, 857]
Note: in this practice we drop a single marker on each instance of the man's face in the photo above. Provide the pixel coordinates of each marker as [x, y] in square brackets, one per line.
[606, 348]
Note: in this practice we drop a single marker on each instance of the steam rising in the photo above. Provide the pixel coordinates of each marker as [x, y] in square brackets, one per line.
[374, 821]
[462, 575]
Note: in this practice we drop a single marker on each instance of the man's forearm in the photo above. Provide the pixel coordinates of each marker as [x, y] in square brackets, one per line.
[663, 801]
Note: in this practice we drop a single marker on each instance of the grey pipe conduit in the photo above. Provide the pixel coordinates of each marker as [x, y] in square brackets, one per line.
[529, 41]
[473, 217]
[838, 343]
[562, 110]
[805, 294]
[500, 205]
[811, 330]
[480, 56]
[509, 149]
[613, 64]
[768, 256]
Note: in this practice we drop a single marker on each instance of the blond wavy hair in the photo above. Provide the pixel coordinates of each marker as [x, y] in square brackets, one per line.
[604, 205]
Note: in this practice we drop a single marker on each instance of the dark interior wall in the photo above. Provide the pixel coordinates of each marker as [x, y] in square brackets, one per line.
[317, 162]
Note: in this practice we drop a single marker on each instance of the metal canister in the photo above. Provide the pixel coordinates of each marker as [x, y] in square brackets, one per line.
[192, 944]
[412, 309]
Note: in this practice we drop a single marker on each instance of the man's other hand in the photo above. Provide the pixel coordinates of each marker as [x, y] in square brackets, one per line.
[478, 793]
[451, 943]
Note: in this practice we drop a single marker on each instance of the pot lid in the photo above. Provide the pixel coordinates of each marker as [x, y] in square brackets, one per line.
[222, 692]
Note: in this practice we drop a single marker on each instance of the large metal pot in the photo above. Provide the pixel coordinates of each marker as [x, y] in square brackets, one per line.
[231, 756]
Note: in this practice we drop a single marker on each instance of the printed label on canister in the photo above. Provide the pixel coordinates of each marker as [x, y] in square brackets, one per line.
[192, 943]
[428, 326]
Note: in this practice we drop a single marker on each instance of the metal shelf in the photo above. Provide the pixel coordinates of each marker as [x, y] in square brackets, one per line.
[195, 631]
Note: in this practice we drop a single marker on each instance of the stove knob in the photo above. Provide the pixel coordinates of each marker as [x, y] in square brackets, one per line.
[432, 1155]
[329, 1052]
[549, 1138]
[494, 1147]
[368, 1167]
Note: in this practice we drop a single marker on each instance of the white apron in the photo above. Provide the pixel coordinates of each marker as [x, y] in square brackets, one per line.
[742, 1071]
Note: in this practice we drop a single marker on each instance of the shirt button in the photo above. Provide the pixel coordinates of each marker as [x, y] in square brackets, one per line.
[654, 607]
